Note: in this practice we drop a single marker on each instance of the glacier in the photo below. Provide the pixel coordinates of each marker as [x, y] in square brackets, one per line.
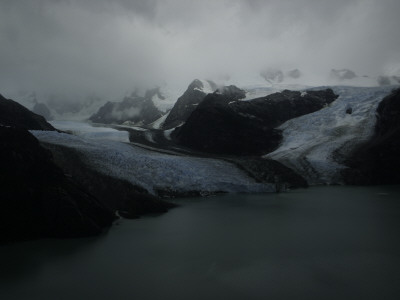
[86, 130]
[151, 170]
[316, 145]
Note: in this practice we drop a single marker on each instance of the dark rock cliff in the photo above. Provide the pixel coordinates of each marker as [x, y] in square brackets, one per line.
[378, 160]
[15, 115]
[186, 104]
[37, 199]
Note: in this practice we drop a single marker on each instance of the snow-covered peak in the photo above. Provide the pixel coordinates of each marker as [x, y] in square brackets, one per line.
[208, 87]
[204, 86]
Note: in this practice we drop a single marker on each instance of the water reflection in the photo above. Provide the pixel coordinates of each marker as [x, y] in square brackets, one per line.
[325, 242]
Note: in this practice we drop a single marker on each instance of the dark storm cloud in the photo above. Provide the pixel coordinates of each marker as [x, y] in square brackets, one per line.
[108, 47]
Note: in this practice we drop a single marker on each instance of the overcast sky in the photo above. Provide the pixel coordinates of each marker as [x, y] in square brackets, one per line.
[109, 47]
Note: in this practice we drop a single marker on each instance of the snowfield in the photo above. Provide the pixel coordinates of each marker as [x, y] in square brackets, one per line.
[157, 171]
[316, 144]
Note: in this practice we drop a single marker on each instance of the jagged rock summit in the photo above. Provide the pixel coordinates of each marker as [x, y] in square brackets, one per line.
[187, 103]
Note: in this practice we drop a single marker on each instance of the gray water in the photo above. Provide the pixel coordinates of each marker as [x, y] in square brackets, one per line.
[317, 243]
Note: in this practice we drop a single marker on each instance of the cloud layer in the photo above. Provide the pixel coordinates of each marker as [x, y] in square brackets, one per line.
[105, 47]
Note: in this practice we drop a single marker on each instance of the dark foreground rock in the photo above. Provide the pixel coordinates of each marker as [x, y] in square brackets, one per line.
[15, 115]
[37, 199]
[378, 160]
[270, 171]
[221, 124]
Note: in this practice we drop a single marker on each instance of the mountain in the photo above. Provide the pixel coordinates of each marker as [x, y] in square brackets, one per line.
[15, 115]
[38, 199]
[187, 103]
[134, 109]
[377, 161]
[221, 124]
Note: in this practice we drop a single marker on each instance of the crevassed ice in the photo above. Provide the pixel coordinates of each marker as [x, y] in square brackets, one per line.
[315, 145]
[153, 171]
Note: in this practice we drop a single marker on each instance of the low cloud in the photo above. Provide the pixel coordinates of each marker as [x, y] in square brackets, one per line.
[74, 48]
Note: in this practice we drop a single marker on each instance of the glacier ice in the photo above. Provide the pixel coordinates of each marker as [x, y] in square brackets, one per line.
[156, 171]
[315, 145]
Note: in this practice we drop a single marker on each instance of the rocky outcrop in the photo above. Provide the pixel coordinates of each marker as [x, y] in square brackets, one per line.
[134, 109]
[187, 103]
[43, 110]
[222, 125]
[15, 115]
[378, 160]
[37, 199]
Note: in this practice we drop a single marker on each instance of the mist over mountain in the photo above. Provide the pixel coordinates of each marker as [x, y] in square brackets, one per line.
[72, 49]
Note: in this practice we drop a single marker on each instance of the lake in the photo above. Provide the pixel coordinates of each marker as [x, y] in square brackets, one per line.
[329, 242]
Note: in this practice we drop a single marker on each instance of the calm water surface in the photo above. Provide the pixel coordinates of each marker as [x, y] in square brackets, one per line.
[317, 243]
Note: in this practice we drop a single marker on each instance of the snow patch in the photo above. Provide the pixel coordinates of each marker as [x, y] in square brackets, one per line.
[207, 88]
[167, 133]
[149, 136]
[262, 90]
[170, 96]
[157, 124]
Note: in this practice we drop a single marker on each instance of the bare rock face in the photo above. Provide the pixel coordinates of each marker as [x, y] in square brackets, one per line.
[15, 115]
[378, 160]
[37, 199]
[187, 103]
[223, 125]
[133, 109]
